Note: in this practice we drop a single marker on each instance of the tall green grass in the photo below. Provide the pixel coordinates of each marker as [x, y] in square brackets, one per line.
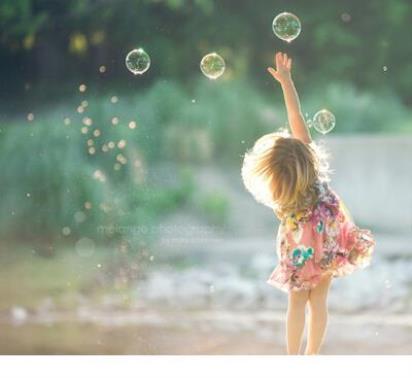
[359, 112]
[49, 183]
[54, 188]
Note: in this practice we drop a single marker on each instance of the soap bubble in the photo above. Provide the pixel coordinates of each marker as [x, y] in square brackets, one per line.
[138, 61]
[286, 26]
[85, 247]
[346, 17]
[213, 66]
[66, 231]
[324, 121]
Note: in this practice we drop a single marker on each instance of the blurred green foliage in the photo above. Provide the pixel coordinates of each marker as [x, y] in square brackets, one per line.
[61, 174]
[60, 41]
[215, 207]
[56, 177]
[58, 172]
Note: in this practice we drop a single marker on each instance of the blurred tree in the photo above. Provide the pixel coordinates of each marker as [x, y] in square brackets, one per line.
[57, 41]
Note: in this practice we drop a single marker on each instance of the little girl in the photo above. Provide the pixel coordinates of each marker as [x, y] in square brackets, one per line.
[317, 239]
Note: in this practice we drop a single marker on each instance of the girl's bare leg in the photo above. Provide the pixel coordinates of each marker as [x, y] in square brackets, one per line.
[296, 320]
[318, 317]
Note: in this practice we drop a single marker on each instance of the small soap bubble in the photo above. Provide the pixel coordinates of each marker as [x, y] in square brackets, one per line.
[121, 144]
[114, 100]
[132, 125]
[67, 121]
[92, 150]
[30, 117]
[66, 231]
[87, 205]
[84, 103]
[138, 61]
[80, 109]
[121, 158]
[102, 69]
[97, 133]
[99, 175]
[84, 130]
[87, 121]
[213, 66]
[346, 17]
[79, 216]
[85, 247]
[286, 26]
[115, 121]
[111, 145]
[82, 88]
[324, 121]
[385, 68]
[28, 195]
[193, 101]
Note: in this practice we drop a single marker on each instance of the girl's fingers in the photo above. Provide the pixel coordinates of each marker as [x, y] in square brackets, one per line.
[273, 72]
[278, 59]
[282, 60]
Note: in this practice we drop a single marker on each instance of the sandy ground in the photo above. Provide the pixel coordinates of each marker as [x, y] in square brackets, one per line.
[194, 333]
[206, 294]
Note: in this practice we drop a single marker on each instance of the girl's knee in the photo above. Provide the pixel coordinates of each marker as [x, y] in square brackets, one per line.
[298, 298]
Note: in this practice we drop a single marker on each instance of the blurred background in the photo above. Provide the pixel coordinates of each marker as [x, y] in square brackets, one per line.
[125, 227]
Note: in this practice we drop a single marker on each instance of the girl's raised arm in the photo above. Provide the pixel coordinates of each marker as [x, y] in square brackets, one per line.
[282, 73]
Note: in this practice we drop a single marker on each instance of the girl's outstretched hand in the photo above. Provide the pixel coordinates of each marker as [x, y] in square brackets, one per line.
[282, 73]
[283, 65]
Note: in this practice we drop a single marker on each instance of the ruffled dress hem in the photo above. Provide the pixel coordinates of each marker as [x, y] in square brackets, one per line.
[345, 250]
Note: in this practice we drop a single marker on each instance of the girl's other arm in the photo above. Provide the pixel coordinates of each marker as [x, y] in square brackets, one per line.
[282, 74]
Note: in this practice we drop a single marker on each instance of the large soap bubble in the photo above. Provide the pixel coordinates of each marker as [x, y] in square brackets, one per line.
[324, 121]
[286, 26]
[213, 66]
[138, 61]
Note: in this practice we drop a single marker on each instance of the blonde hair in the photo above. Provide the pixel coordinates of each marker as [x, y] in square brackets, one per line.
[281, 172]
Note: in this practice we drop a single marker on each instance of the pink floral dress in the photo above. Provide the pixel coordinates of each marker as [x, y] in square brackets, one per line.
[319, 241]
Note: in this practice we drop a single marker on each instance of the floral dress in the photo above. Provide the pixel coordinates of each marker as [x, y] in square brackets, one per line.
[322, 240]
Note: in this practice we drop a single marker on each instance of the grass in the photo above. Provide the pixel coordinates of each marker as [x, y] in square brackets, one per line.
[215, 207]
[82, 165]
[26, 279]
[68, 278]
